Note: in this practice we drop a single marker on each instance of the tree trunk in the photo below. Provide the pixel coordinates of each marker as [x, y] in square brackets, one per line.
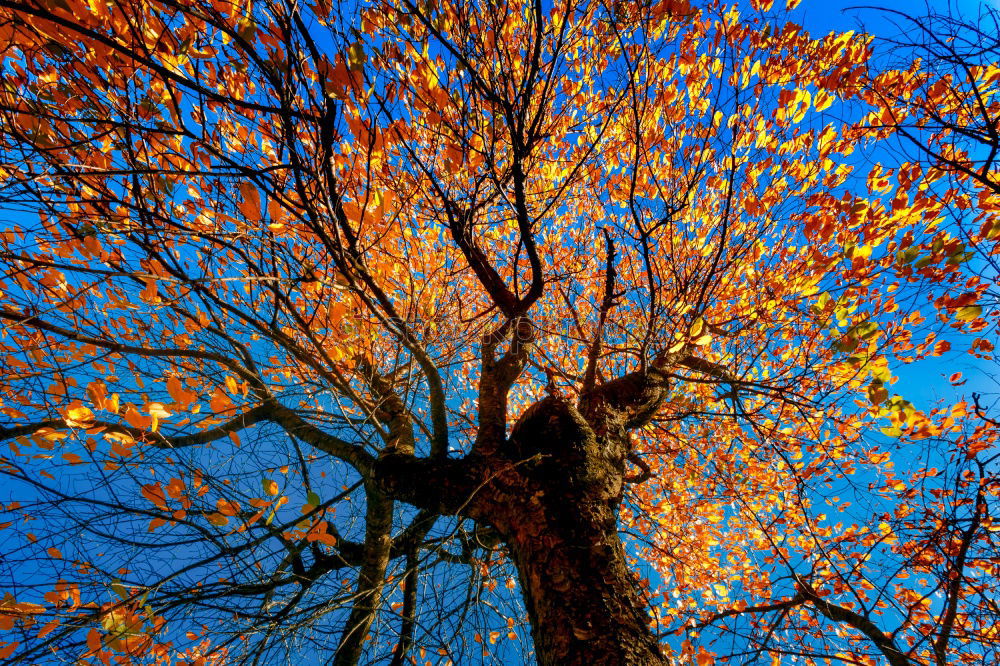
[582, 600]
[558, 516]
[552, 491]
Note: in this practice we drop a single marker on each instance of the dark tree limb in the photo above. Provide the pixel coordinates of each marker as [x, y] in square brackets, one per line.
[409, 612]
[607, 302]
[884, 642]
[371, 577]
[645, 472]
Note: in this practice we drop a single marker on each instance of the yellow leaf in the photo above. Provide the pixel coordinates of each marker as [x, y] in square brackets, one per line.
[356, 57]
[157, 410]
[48, 435]
[968, 312]
[79, 417]
[697, 327]
[122, 437]
[822, 101]
[801, 104]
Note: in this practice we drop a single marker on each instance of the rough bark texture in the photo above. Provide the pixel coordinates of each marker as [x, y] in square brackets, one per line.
[553, 492]
[582, 601]
[560, 525]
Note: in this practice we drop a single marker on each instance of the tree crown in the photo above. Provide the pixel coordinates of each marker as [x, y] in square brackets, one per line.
[303, 304]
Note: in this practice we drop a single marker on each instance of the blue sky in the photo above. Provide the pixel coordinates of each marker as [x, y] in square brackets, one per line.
[925, 382]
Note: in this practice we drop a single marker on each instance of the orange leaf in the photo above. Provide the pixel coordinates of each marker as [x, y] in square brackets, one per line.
[227, 507]
[154, 493]
[217, 519]
[249, 204]
[179, 394]
[175, 488]
[94, 641]
[704, 657]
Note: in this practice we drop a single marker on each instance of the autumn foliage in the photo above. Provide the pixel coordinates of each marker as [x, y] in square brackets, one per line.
[392, 332]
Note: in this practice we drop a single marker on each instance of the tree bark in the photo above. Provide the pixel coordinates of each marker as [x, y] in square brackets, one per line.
[582, 600]
[560, 524]
[371, 577]
[552, 491]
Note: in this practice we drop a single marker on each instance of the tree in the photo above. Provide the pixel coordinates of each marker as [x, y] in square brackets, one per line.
[378, 331]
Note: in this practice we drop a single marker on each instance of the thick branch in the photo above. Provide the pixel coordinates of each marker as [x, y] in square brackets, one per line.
[409, 613]
[371, 578]
[157, 439]
[882, 641]
[607, 301]
[391, 411]
[461, 232]
[296, 426]
[796, 600]
[496, 379]
[645, 473]
[636, 395]
[954, 590]
[440, 485]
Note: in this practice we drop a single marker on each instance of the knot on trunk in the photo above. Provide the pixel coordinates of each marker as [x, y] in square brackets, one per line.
[561, 450]
[634, 398]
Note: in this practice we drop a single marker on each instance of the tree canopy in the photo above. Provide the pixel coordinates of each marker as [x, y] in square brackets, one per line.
[440, 331]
